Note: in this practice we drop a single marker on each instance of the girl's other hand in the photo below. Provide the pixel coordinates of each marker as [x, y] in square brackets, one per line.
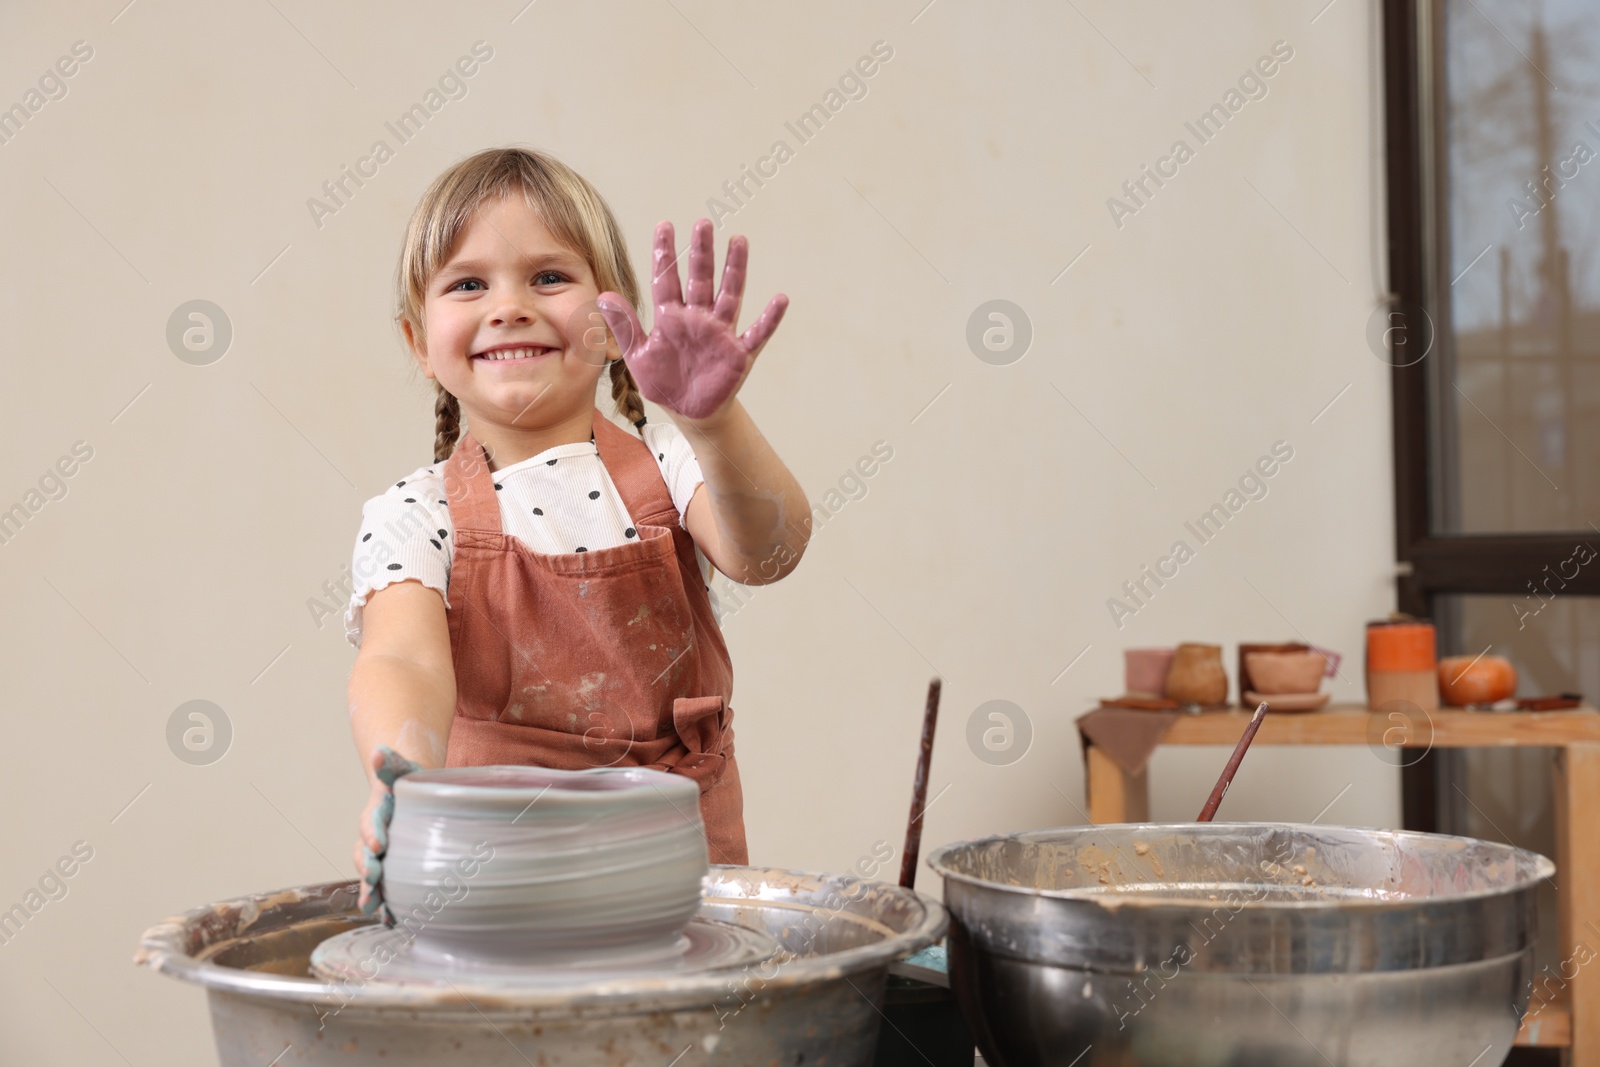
[692, 363]
[387, 765]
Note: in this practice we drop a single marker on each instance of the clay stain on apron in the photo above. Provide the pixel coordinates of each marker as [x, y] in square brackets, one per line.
[589, 689]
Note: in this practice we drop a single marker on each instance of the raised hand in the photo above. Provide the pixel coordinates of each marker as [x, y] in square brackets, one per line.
[692, 362]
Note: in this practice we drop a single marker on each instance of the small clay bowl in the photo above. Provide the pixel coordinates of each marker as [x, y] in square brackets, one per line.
[1286, 672]
[531, 865]
[1144, 672]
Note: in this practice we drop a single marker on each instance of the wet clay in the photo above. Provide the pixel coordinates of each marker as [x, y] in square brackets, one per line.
[512, 867]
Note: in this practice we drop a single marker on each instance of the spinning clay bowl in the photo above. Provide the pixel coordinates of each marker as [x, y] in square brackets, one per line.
[508, 865]
[1245, 945]
[815, 1002]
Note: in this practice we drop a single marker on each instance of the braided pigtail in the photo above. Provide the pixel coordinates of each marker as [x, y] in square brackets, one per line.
[625, 392]
[446, 422]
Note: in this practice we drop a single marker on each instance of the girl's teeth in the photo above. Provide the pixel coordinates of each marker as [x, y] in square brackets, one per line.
[512, 353]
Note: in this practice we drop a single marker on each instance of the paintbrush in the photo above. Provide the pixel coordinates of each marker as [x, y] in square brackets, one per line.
[919, 790]
[1221, 787]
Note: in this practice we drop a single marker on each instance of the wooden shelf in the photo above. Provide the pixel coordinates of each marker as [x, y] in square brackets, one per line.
[1551, 1028]
[1355, 725]
[1572, 1023]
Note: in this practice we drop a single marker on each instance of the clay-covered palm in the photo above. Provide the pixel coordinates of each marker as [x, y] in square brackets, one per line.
[387, 765]
[692, 362]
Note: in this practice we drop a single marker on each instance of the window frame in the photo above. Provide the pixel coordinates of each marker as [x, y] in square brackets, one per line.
[1431, 565]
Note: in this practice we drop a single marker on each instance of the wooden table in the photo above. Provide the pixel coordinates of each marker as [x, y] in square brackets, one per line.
[1116, 795]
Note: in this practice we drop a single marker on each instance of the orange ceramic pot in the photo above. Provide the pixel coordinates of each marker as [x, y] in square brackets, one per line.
[1476, 679]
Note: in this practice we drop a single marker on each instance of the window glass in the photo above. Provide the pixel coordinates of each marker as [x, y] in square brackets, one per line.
[1516, 381]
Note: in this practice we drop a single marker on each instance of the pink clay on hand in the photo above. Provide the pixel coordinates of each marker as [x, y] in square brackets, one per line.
[692, 362]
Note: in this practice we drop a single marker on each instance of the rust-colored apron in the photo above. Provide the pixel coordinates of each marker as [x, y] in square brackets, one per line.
[610, 657]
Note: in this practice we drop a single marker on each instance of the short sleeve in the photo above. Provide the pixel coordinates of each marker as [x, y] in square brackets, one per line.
[405, 533]
[679, 467]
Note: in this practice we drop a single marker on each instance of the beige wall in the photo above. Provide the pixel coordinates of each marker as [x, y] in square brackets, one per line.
[1219, 319]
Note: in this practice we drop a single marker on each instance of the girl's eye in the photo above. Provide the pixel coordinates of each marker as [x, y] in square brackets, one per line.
[555, 276]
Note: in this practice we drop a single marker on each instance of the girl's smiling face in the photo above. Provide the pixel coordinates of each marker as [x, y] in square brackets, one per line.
[511, 289]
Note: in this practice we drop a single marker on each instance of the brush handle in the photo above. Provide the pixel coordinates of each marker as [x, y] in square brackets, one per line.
[1221, 788]
[919, 790]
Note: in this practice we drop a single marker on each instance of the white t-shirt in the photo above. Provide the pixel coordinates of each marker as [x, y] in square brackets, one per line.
[561, 500]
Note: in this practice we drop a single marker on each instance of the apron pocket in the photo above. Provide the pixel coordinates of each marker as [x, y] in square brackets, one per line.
[702, 726]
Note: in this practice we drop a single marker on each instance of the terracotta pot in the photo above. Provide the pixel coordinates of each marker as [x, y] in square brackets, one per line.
[1272, 673]
[1144, 671]
[1197, 676]
[1476, 680]
[1247, 647]
[1401, 663]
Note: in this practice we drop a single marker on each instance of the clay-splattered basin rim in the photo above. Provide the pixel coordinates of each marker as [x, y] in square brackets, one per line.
[500, 788]
[1522, 869]
[903, 921]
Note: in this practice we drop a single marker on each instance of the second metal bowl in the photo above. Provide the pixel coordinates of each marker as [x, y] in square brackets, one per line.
[1200, 944]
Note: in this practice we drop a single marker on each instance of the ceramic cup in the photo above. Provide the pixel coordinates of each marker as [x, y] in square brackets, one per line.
[1144, 671]
[1275, 673]
[1196, 675]
[531, 865]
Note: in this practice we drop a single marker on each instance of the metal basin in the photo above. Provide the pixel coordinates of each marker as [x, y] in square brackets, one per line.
[817, 1002]
[1209, 944]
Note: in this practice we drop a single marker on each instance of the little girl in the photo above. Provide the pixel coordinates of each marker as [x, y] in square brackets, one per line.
[539, 594]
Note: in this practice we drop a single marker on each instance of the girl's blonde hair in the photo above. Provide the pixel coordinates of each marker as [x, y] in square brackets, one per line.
[573, 210]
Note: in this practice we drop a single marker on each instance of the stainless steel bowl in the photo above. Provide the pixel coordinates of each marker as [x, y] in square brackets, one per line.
[1201, 944]
[817, 1003]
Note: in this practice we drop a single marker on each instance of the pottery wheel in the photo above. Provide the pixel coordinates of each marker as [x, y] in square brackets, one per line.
[379, 953]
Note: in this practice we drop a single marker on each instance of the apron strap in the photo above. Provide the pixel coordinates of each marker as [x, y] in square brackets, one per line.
[469, 487]
[636, 475]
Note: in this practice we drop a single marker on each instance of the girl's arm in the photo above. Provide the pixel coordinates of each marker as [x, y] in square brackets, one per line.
[403, 685]
[750, 517]
[402, 694]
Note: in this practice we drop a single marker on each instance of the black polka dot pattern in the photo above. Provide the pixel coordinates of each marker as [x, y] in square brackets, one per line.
[563, 514]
